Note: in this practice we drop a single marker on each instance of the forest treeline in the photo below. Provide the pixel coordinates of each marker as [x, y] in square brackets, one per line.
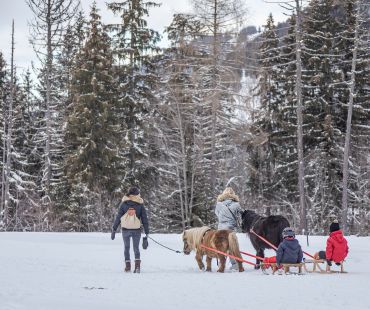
[280, 114]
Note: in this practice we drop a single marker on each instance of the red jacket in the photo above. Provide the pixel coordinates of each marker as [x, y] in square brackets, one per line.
[336, 247]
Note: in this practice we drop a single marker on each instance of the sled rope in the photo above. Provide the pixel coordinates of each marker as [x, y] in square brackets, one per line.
[273, 246]
[176, 251]
[229, 255]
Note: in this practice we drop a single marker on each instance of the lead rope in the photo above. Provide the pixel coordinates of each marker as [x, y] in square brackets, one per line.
[176, 251]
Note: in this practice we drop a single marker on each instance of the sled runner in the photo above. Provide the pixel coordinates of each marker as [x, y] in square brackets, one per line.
[285, 268]
[315, 265]
[329, 270]
[317, 268]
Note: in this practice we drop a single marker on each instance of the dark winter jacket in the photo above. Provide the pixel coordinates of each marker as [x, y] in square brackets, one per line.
[289, 252]
[336, 247]
[132, 202]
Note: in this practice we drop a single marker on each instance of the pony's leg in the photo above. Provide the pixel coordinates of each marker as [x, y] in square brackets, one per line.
[199, 258]
[241, 268]
[209, 263]
[222, 260]
[260, 253]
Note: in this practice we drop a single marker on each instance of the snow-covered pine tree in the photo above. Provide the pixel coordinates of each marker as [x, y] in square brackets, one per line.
[286, 158]
[93, 135]
[135, 44]
[323, 116]
[268, 90]
[3, 92]
[72, 42]
[22, 187]
[7, 142]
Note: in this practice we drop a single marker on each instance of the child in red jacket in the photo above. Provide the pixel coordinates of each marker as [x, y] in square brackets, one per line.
[336, 246]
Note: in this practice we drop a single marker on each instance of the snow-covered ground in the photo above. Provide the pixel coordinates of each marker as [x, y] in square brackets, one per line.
[85, 271]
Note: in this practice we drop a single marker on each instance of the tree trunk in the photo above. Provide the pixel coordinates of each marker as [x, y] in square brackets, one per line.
[49, 55]
[348, 126]
[215, 98]
[9, 135]
[298, 36]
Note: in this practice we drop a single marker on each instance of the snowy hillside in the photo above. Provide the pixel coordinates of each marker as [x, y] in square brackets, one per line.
[84, 271]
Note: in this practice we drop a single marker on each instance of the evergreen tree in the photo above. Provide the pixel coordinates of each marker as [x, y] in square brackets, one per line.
[93, 133]
[323, 117]
[134, 46]
[269, 91]
[3, 92]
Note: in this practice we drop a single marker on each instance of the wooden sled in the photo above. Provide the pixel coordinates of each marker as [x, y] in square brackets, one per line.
[329, 270]
[286, 268]
[317, 268]
[315, 265]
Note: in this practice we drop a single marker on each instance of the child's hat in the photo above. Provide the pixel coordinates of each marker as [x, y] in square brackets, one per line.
[334, 226]
[288, 232]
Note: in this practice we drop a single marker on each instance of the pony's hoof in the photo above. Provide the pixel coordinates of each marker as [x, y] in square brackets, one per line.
[222, 271]
[241, 269]
[208, 269]
[257, 267]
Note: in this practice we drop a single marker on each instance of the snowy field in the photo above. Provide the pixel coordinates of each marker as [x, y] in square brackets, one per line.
[85, 271]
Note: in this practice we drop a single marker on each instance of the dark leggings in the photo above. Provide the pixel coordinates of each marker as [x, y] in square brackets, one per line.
[135, 235]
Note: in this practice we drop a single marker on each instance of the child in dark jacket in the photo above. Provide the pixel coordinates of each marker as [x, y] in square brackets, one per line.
[289, 250]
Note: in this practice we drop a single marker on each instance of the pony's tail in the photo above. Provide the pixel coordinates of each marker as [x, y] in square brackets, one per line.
[234, 245]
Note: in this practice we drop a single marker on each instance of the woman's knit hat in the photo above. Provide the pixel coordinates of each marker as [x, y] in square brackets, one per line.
[334, 226]
[133, 191]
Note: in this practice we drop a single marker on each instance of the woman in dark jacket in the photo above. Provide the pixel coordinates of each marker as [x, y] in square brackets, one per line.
[131, 215]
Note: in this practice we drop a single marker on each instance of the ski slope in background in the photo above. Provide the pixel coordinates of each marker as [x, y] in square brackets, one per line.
[76, 271]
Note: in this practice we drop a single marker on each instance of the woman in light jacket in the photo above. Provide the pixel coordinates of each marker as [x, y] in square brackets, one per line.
[228, 212]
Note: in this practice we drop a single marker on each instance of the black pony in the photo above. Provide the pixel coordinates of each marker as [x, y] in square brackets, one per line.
[270, 228]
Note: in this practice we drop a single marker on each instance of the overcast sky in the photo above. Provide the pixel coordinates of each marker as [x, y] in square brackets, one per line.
[159, 18]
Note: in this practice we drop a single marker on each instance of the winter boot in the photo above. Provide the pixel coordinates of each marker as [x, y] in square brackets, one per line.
[128, 266]
[137, 266]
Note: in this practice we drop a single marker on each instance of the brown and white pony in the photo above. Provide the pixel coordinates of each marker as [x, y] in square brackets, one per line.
[222, 240]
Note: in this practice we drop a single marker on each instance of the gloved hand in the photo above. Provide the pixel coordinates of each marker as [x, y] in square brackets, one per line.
[329, 262]
[113, 235]
[145, 242]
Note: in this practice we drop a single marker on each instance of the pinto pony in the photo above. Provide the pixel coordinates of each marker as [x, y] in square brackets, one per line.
[270, 228]
[222, 240]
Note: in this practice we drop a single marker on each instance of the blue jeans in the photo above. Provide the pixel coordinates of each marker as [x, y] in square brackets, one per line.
[135, 235]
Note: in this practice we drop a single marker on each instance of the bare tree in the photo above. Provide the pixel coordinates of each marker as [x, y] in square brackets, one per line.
[221, 20]
[352, 85]
[303, 212]
[51, 17]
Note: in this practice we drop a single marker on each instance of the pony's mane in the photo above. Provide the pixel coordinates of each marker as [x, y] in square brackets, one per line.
[194, 236]
[249, 218]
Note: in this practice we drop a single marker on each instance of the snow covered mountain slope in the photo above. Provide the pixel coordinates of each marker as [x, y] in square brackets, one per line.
[75, 271]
